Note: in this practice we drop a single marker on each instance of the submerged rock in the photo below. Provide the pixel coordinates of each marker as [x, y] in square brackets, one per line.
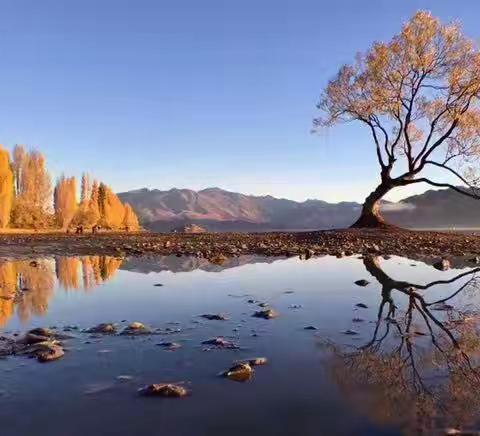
[172, 346]
[47, 351]
[255, 361]
[136, 328]
[167, 390]
[42, 331]
[215, 316]
[220, 342]
[105, 328]
[124, 378]
[31, 338]
[310, 327]
[41, 334]
[240, 372]
[350, 332]
[266, 314]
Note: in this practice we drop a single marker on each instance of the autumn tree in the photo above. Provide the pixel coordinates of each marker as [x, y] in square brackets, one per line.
[18, 165]
[65, 200]
[32, 206]
[418, 96]
[94, 208]
[112, 211]
[84, 216]
[85, 190]
[6, 188]
[130, 219]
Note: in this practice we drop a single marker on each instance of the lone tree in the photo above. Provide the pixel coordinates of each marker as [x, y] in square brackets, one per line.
[419, 96]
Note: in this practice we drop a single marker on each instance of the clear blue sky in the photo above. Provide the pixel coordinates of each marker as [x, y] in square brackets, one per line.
[190, 93]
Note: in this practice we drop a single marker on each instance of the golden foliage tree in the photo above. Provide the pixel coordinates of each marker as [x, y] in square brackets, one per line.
[85, 190]
[418, 96]
[130, 219]
[112, 211]
[18, 165]
[85, 216]
[6, 188]
[33, 189]
[65, 200]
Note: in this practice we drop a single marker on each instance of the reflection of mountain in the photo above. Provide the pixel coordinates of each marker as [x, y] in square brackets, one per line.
[186, 264]
[420, 370]
[26, 287]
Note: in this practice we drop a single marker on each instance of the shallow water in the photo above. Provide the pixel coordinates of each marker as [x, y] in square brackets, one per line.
[409, 367]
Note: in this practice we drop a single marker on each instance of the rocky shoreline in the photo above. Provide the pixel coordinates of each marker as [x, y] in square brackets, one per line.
[218, 246]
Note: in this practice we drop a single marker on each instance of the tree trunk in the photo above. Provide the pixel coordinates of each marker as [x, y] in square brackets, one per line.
[370, 215]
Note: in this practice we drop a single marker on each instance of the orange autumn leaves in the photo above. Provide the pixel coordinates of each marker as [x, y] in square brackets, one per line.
[27, 289]
[99, 205]
[418, 95]
[26, 197]
[6, 188]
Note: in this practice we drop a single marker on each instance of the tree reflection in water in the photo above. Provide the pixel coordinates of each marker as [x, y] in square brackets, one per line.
[26, 288]
[420, 369]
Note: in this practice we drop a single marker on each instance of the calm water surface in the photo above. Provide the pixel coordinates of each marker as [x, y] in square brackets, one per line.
[404, 364]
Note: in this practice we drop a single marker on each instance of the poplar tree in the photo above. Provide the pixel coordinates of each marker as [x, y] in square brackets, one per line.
[130, 219]
[65, 200]
[6, 188]
[32, 205]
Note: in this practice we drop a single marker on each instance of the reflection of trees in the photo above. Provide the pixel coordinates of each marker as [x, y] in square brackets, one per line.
[66, 269]
[420, 370]
[27, 287]
[94, 270]
[8, 286]
[37, 283]
[98, 269]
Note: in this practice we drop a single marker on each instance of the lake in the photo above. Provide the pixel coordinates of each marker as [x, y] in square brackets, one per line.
[397, 356]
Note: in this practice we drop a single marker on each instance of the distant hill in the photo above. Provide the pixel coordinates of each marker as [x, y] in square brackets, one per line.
[219, 210]
[443, 208]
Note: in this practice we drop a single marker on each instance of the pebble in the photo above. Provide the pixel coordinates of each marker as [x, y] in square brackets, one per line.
[167, 390]
[266, 314]
[215, 316]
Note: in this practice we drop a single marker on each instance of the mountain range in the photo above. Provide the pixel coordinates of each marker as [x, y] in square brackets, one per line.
[218, 210]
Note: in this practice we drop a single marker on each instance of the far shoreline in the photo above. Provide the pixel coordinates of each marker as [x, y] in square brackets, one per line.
[218, 246]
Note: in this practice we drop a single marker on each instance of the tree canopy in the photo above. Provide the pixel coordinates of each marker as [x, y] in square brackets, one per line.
[418, 96]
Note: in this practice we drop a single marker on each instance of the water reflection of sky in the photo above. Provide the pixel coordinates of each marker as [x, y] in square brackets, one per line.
[303, 387]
